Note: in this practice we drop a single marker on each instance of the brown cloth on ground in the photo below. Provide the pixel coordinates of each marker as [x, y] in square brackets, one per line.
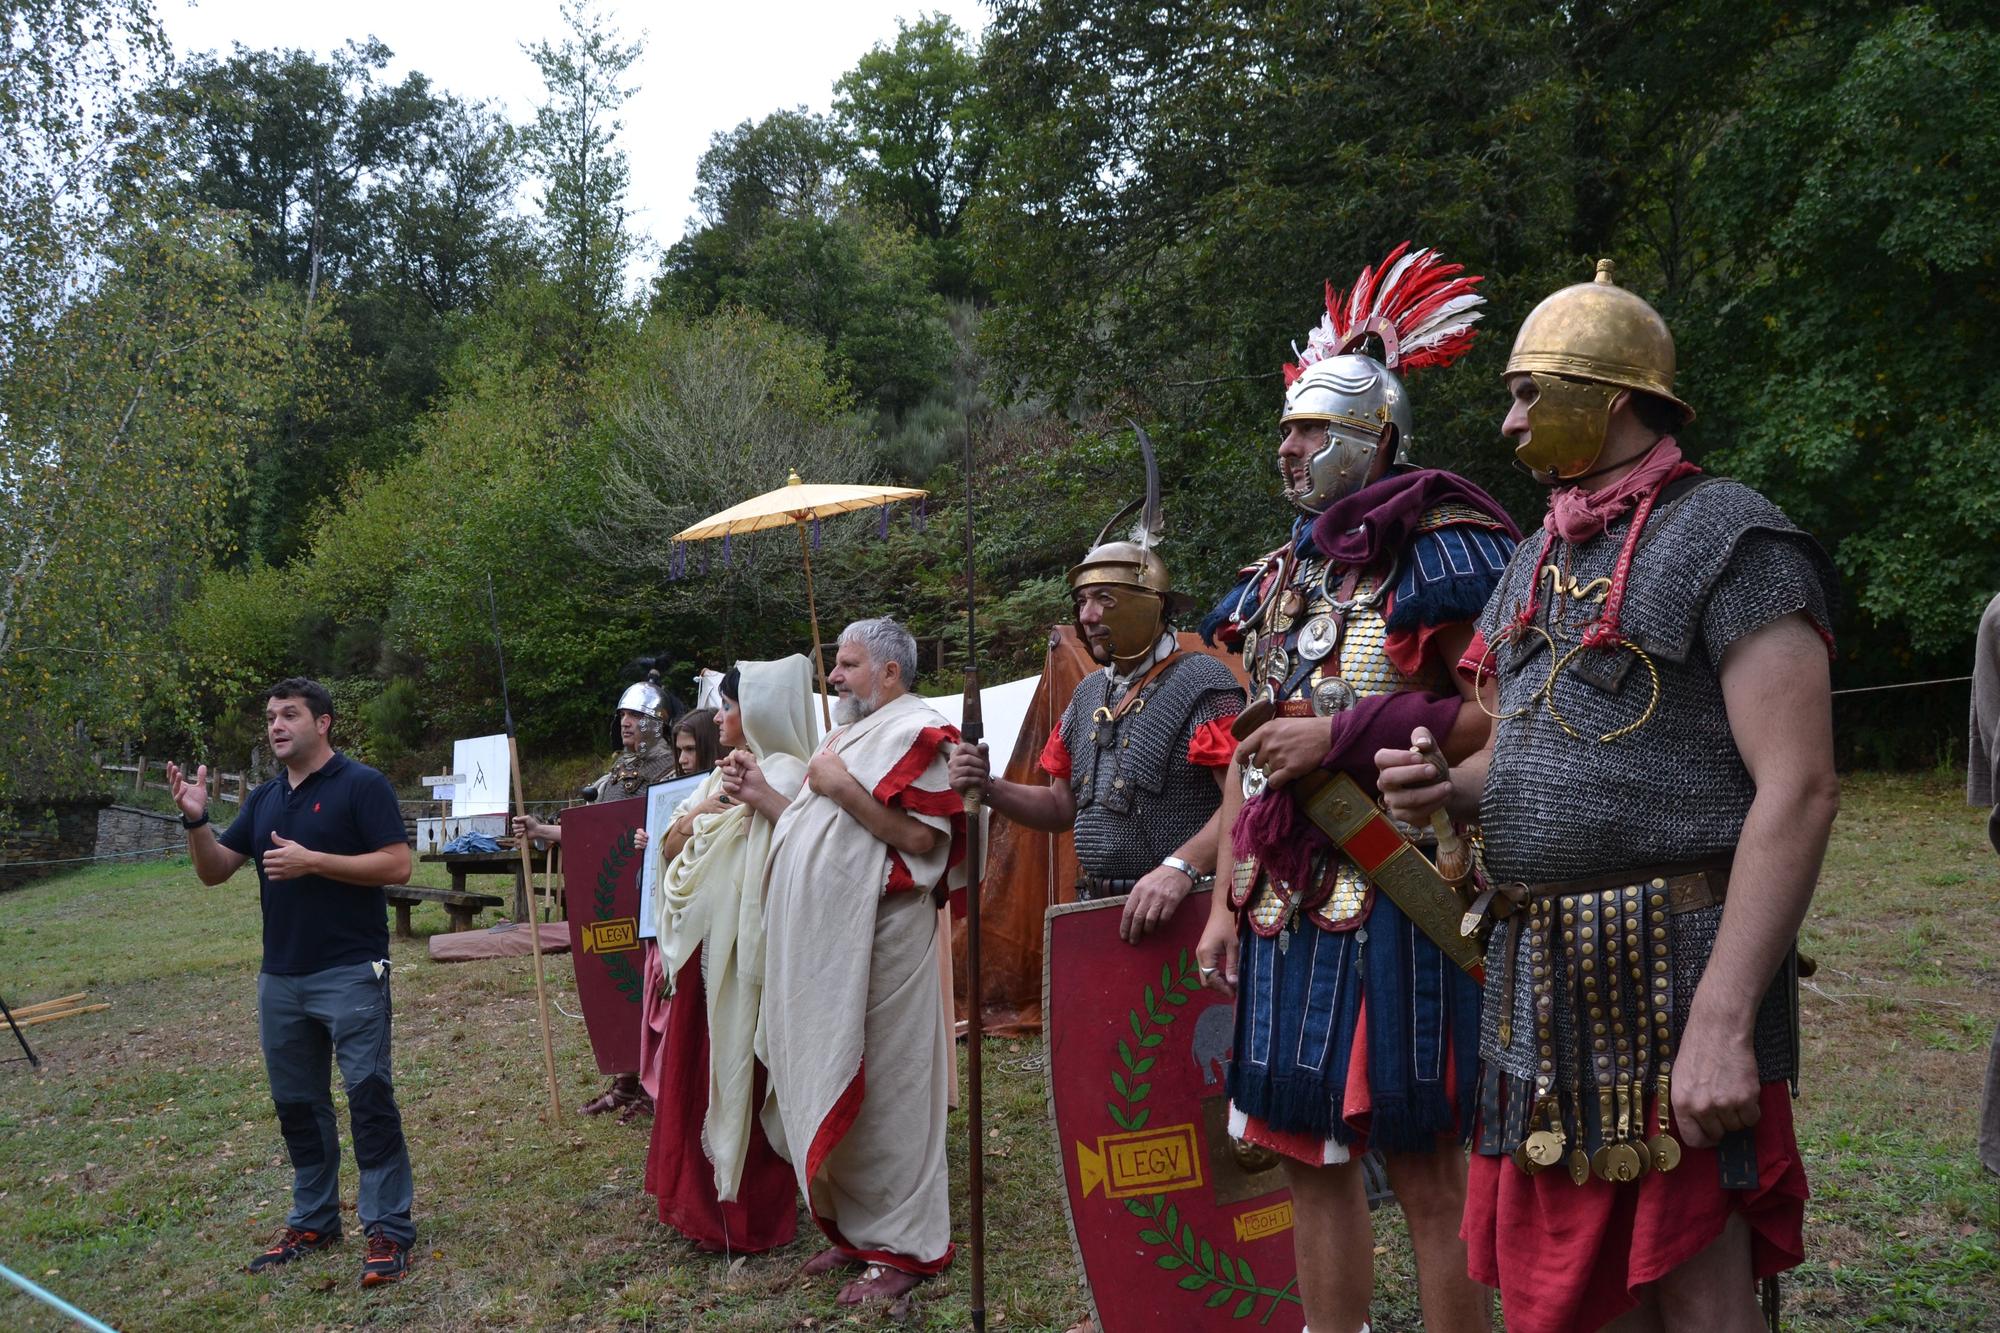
[1028, 871]
[506, 941]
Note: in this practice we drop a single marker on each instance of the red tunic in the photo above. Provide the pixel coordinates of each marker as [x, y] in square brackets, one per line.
[765, 1214]
[1570, 1257]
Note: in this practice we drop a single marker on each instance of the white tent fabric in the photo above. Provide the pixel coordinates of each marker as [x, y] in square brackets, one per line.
[1004, 707]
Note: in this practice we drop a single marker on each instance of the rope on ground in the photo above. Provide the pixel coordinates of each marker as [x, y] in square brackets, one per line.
[1903, 685]
[102, 856]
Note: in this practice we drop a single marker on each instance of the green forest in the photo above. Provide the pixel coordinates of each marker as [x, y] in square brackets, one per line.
[287, 374]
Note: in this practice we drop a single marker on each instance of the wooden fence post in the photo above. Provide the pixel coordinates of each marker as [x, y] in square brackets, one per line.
[139, 775]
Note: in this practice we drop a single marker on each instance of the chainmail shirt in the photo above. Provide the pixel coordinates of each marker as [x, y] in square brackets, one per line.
[635, 770]
[1714, 564]
[1138, 795]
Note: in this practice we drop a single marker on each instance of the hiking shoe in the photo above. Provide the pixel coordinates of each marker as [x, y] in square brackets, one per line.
[290, 1244]
[387, 1260]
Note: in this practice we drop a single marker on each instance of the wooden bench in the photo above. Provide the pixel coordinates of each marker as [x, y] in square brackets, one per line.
[460, 907]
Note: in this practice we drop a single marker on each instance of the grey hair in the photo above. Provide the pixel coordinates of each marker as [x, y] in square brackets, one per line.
[886, 641]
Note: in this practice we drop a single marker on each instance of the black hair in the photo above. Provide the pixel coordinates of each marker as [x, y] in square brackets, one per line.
[1656, 414]
[318, 702]
[731, 684]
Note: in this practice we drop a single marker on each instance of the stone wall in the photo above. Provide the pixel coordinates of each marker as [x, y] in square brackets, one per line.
[127, 831]
[46, 838]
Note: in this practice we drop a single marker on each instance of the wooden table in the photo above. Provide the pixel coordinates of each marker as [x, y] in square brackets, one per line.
[462, 864]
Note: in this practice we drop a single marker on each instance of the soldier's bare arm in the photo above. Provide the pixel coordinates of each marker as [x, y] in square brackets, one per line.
[1050, 809]
[1216, 954]
[1776, 687]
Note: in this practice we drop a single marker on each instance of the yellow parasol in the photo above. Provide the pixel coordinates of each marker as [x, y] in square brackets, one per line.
[798, 504]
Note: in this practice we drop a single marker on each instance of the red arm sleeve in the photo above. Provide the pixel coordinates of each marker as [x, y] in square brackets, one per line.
[1212, 745]
[1055, 756]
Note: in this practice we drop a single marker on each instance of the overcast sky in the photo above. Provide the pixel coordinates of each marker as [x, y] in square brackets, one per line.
[707, 66]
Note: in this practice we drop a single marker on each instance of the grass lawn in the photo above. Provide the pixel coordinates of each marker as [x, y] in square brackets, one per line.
[142, 1166]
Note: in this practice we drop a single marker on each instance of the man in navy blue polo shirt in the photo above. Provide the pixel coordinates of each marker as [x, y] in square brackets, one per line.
[326, 835]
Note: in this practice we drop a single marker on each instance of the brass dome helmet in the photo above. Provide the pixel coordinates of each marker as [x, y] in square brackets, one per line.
[1131, 569]
[1582, 346]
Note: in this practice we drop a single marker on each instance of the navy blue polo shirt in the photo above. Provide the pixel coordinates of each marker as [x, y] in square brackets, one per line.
[312, 923]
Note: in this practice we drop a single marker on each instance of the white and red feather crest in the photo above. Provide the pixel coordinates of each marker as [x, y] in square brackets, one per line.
[1420, 307]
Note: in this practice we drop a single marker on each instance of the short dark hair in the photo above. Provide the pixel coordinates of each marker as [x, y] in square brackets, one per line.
[318, 702]
[731, 684]
[1657, 414]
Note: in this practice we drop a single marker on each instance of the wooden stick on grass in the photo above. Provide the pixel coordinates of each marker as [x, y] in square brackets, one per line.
[59, 1013]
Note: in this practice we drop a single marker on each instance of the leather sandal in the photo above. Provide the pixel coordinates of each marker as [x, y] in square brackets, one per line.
[624, 1090]
[878, 1282]
[826, 1261]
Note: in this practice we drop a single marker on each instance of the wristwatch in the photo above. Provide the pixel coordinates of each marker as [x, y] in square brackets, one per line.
[1195, 877]
[192, 824]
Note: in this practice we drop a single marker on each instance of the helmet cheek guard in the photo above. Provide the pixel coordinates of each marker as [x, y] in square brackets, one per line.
[1133, 623]
[1567, 423]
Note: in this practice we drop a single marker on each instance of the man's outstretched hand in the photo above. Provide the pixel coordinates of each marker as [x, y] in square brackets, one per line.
[191, 795]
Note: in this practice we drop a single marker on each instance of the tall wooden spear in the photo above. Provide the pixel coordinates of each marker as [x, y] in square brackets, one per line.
[527, 866]
[972, 727]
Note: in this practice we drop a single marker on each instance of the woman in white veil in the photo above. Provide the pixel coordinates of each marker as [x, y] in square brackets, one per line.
[716, 1178]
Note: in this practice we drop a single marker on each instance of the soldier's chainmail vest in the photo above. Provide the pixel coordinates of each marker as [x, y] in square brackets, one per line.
[1715, 562]
[1138, 797]
[635, 770]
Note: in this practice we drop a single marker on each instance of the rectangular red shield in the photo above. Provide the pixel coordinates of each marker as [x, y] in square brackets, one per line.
[601, 895]
[1175, 1228]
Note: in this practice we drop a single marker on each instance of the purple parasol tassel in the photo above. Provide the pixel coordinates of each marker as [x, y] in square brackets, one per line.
[815, 532]
[882, 527]
[677, 567]
[923, 513]
[725, 550]
[704, 560]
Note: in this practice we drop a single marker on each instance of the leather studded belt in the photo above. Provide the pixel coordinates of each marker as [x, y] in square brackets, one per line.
[1689, 886]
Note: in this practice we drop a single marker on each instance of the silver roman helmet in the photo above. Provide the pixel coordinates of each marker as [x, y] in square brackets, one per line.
[1356, 396]
[644, 698]
[1422, 311]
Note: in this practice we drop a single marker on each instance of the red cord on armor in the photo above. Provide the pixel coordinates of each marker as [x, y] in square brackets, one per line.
[1603, 631]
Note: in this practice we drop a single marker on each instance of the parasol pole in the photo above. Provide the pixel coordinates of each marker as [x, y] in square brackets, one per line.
[812, 613]
[972, 728]
[527, 866]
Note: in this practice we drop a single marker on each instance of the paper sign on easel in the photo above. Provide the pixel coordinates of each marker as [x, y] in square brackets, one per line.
[486, 786]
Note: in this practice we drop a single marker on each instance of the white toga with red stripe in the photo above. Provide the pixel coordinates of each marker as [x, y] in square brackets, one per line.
[860, 1058]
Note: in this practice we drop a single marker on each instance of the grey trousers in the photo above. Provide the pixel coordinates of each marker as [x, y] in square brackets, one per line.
[306, 1023]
